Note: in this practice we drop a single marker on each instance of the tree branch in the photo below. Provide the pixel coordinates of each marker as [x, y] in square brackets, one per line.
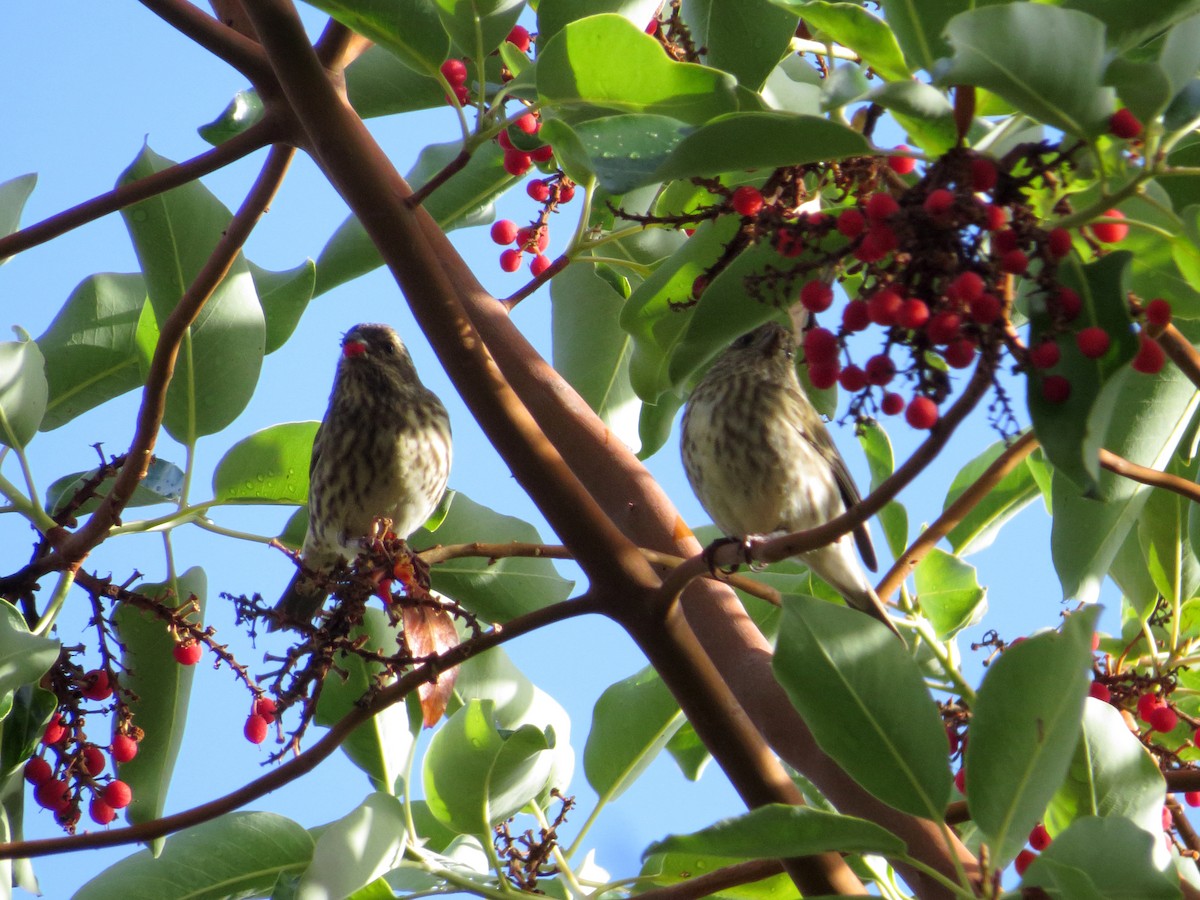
[217, 38]
[1118, 465]
[1181, 352]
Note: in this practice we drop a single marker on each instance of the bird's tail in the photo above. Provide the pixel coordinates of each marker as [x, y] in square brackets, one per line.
[300, 601]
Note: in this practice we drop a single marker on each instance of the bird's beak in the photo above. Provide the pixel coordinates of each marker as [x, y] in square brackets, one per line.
[352, 348]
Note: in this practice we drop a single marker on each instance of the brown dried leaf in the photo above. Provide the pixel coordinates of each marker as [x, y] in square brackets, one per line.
[430, 632]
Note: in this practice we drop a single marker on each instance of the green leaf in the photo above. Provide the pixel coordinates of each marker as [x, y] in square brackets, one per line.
[665, 870]
[922, 111]
[475, 776]
[577, 78]
[24, 391]
[624, 152]
[852, 26]
[1103, 858]
[1163, 533]
[163, 689]
[979, 527]
[554, 15]
[411, 29]
[32, 707]
[689, 752]
[269, 466]
[779, 830]
[1024, 729]
[882, 462]
[496, 590]
[24, 657]
[919, 28]
[1126, 26]
[98, 346]
[379, 84]
[245, 109]
[237, 855]
[380, 746]
[949, 593]
[866, 703]
[358, 848]
[744, 37]
[284, 297]
[174, 234]
[633, 720]
[1047, 62]
[1111, 774]
[163, 484]
[13, 195]
[486, 22]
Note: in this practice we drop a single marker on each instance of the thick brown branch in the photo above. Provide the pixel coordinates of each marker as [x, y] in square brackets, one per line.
[253, 138]
[216, 37]
[955, 513]
[712, 882]
[1181, 352]
[1118, 465]
[310, 758]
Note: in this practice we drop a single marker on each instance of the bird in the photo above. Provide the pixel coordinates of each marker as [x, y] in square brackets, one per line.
[760, 460]
[383, 450]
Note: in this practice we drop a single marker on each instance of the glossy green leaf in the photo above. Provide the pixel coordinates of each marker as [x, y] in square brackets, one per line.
[1111, 774]
[778, 830]
[625, 151]
[24, 657]
[162, 687]
[949, 593]
[689, 752]
[13, 195]
[576, 75]
[919, 28]
[483, 23]
[882, 462]
[1127, 26]
[866, 703]
[554, 15]
[284, 297]
[219, 360]
[269, 466]
[357, 849]
[411, 29]
[982, 523]
[245, 109]
[497, 590]
[633, 720]
[1128, 571]
[237, 855]
[1107, 858]
[744, 37]
[853, 26]
[379, 84]
[1163, 534]
[380, 746]
[1024, 729]
[1053, 73]
[163, 483]
[32, 707]
[667, 869]
[98, 346]
[922, 111]
[24, 391]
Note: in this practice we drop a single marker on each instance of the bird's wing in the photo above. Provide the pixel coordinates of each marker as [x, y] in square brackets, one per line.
[818, 436]
[316, 451]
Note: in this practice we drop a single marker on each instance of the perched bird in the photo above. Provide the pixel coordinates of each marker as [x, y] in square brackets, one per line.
[383, 450]
[761, 460]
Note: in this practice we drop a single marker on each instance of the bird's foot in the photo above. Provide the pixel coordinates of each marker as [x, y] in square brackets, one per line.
[710, 555]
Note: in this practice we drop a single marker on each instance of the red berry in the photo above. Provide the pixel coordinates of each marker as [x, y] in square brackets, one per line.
[1058, 242]
[93, 760]
[939, 202]
[995, 217]
[816, 296]
[880, 206]
[265, 707]
[960, 781]
[124, 748]
[542, 154]
[1124, 125]
[538, 191]
[1146, 704]
[1045, 355]
[747, 201]
[461, 94]
[516, 163]
[1093, 342]
[1067, 304]
[824, 376]
[1039, 838]
[1099, 690]
[55, 730]
[454, 71]
[966, 287]
[539, 264]
[52, 794]
[960, 354]
[880, 369]
[504, 231]
[986, 310]
[1055, 389]
[788, 243]
[255, 729]
[853, 379]
[1003, 241]
[510, 260]
[892, 404]
[101, 812]
[117, 794]
[913, 314]
[856, 316]
[944, 327]
[820, 347]
[902, 165]
[983, 174]
[1095, 641]
[878, 242]
[505, 141]
[520, 37]
[1150, 357]
[699, 286]
[922, 413]
[1014, 262]
[96, 686]
[1192, 798]
[37, 770]
[1110, 232]
[1024, 858]
[1158, 312]
[527, 123]
[884, 306]
[1163, 719]
[188, 654]
[1167, 821]
[851, 223]
[566, 192]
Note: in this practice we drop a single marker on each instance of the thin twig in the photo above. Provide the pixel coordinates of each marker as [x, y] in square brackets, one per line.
[712, 882]
[533, 284]
[1181, 352]
[1131, 470]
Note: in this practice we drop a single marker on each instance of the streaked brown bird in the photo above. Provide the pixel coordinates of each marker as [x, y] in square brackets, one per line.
[761, 460]
[382, 451]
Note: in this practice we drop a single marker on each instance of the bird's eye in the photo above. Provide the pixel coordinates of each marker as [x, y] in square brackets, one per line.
[389, 348]
[744, 341]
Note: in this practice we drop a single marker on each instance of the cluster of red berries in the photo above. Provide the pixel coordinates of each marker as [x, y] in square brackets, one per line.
[455, 70]
[1039, 840]
[533, 238]
[261, 716]
[77, 766]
